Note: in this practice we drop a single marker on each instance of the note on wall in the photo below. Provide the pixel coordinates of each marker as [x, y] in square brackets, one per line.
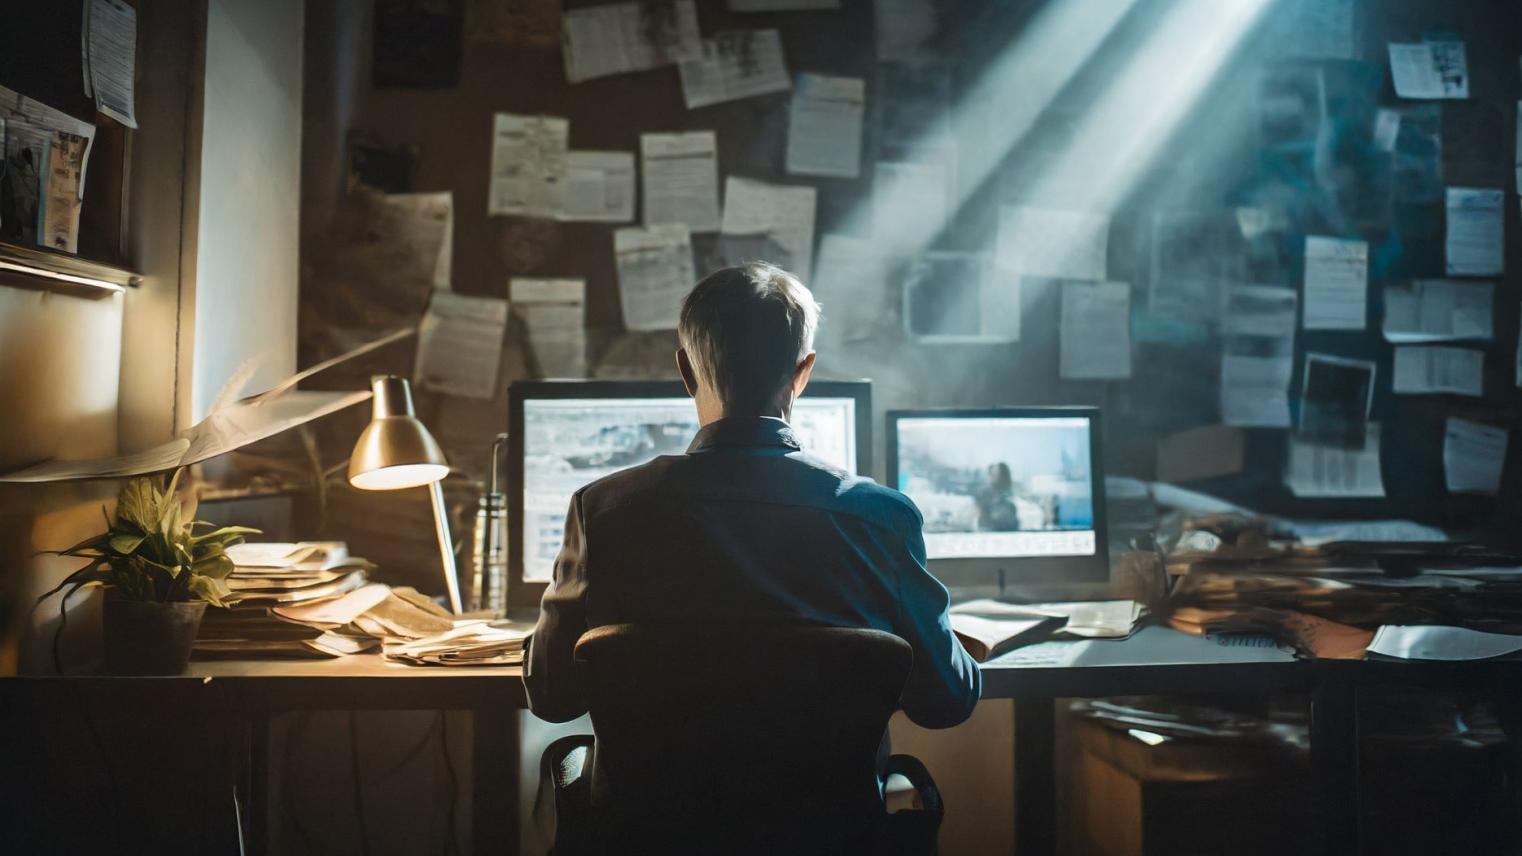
[1096, 331]
[654, 274]
[599, 187]
[824, 126]
[1438, 310]
[553, 312]
[1257, 356]
[735, 65]
[1336, 283]
[1330, 472]
[1474, 455]
[1429, 70]
[681, 179]
[785, 213]
[1435, 370]
[528, 159]
[460, 345]
[1336, 395]
[1054, 243]
[623, 37]
[909, 204]
[1475, 237]
[111, 58]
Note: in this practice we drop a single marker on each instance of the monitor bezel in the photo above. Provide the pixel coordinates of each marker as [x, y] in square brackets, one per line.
[1035, 569]
[526, 595]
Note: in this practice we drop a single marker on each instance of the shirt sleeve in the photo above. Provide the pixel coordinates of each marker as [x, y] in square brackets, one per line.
[550, 677]
[944, 683]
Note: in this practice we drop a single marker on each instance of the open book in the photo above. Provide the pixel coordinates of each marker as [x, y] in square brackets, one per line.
[986, 638]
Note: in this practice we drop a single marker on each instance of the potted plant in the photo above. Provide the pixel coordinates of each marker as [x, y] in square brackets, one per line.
[159, 576]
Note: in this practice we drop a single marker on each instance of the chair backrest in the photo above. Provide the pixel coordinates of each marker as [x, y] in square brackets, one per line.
[740, 730]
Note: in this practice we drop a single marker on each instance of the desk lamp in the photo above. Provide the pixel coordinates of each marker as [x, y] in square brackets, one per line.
[395, 451]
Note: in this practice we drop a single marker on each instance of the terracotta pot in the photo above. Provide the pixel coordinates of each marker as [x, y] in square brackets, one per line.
[145, 637]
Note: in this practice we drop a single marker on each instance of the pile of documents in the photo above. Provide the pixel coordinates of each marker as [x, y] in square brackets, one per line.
[469, 643]
[988, 628]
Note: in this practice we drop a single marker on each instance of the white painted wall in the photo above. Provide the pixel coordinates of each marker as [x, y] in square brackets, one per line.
[246, 262]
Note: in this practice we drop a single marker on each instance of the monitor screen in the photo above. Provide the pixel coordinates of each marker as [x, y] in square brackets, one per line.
[994, 487]
[571, 442]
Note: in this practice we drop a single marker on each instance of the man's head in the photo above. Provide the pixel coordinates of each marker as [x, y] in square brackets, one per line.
[747, 337]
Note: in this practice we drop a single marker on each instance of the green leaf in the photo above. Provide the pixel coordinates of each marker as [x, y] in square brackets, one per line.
[225, 535]
[126, 543]
[92, 543]
[217, 566]
[137, 505]
[213, 591]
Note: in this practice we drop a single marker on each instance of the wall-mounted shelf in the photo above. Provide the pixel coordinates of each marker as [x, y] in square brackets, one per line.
[46, 268]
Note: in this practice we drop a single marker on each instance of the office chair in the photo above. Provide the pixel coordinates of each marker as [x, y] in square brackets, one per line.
[737, 739]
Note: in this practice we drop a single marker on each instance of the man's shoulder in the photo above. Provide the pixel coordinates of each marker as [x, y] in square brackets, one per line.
[627, 484]
[883, 505]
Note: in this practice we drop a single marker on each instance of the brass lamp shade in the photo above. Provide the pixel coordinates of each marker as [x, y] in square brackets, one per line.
[395, 450]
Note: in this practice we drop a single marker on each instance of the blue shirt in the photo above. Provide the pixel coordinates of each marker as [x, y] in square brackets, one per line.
[747, 527]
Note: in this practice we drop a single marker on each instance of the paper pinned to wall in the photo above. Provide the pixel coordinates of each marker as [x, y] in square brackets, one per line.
[1315, 471]
[783, 212]
[460, 345]
[1474, 245]
[1473, 456]
[61, 202]
[528, 162]
[1336, 395]
[111, 66]
[554, 317]
[654, 274]
[1257, 356]
[599, 187]
[910, 204]
[1429, 70]
[1336, 283]
[824, 126]
[735, 65]
[1053, 243]
[1096, 331]
[1438, 310]
[681, 179]
[622, 37]
[1436, 370]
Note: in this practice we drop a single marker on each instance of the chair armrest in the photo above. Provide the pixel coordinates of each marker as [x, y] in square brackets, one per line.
[563, 791]
[910, 768]
[565, 760]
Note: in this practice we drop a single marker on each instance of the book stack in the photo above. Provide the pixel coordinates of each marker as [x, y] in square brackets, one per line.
[476, 643]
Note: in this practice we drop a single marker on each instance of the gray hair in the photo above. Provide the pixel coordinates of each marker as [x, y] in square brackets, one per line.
[745, 330]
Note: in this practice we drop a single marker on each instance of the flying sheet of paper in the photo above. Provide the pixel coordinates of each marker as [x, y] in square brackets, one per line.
[554, 316]
[1315, 471]
[460, 345]
[681, 179]
[781, 5]
[1257, 356]
[1429, 70]
[1436, 369]
[1096, 331]
[249, 421]
[654, 274]
[1475, 238]
[111, 32]
[599, 187]
[849, 279]
[824, 126]
[164, 456]
[528, 162]
[735, 65]
[1441, 642]
[622, 37]
[909, 203]
[1050, 242]
[1438, 310]
[1336, 283]
[1473, 456]
[905, 29]
[783, 212]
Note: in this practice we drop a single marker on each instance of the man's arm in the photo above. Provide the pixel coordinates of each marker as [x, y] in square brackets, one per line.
[554, 688]
[945, 683]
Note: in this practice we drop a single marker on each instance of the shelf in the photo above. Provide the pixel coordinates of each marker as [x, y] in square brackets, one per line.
[50, 268]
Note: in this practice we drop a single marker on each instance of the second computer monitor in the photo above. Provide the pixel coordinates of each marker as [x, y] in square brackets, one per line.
[1012, 490]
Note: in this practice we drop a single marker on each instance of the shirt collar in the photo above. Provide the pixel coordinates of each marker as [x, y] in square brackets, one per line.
[745, 431]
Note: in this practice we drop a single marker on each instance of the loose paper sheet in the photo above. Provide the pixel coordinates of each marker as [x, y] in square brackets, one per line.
[1336, 283]
[824, 126]
[623, 37]
[1049, 242]
[1096, 331]
[1336, 395]
[1438, 310]
[1429, 70]
[1475, 238]
[1473, 455]
[654, 274]
[1315, 471]
[599, 187]
[460, 345]
[784, 213]
[1257, 356]
[735, 65]
[554, 316]
[30, 126]
[111, 32]
[1420, 371]
[528, 162]
[681, 179]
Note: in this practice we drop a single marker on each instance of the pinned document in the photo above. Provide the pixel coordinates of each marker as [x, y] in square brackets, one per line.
[111, 58]
[654, 274]
[553, 312]
[785, 213]
[1429, 70]
[1336, 283]
[1336, 394]
[1053, 243]
[1096, 331]
[1329, 472]
[622, 37]
[1473, 456]
[528, 161]
[1475, 235]
[1434, 370]
[1438, 310]
[681, 179]
[460, 345]
[1257, 356]
[824, 126]
[735, 65]
[599, 187]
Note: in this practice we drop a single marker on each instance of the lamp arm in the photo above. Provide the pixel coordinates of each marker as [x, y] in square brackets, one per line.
[446, 546]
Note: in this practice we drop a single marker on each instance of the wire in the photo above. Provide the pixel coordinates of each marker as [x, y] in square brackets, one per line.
[454, 844]
[358, 787]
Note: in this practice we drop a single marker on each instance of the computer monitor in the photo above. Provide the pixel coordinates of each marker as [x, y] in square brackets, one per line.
[1016, 491]
[564, 435]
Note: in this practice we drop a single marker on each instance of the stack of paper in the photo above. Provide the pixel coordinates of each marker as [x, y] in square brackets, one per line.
[477, 643]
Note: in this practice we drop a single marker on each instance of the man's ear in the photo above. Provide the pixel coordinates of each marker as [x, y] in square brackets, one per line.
[684, 368]
[802, 373]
